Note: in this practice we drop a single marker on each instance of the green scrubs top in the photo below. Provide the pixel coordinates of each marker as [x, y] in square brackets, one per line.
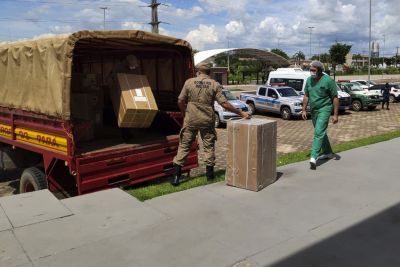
[320, 93]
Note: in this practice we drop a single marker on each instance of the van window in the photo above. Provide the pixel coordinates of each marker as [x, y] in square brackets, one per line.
[262, 91]
[297, 84]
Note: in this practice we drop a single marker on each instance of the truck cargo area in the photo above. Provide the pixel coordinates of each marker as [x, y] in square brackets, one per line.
[93, 114]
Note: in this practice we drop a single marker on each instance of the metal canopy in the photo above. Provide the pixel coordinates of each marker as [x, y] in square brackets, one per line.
[268, 57]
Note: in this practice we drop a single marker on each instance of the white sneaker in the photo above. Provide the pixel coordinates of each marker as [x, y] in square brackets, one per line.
[327, 156]
[313, 164]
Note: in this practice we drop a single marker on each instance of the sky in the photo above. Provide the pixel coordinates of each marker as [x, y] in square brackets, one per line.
[212, 24]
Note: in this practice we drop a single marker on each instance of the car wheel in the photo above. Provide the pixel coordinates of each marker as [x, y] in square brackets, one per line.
[285, 113]
[217, 121]
[372, 107]
[392, 99]
[32, 179]
[252, 108]
[357, 105]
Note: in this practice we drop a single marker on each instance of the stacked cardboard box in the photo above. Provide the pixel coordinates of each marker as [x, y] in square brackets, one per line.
[133, 101]
[251, 156]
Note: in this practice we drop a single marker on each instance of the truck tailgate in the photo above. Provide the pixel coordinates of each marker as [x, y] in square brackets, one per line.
[128, 163]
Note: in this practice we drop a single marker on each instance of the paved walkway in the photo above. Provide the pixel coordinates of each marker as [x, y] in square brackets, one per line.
[296, 135]
[346, 213]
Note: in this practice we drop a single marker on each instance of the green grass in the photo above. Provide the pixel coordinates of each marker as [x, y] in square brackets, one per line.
[156, 190]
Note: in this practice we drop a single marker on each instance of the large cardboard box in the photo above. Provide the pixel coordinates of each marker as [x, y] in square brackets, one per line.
[251, 156]
[133, 101]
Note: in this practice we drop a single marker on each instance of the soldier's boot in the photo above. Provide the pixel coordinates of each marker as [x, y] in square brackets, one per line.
[210, 173]
[177, 175]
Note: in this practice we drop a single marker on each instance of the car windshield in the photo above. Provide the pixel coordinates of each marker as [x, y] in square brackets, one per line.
[362, 82]
[287, 91]
[355, 87]
[229, 95]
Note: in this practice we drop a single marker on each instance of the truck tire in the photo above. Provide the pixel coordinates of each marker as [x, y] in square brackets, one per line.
[217, 120]
[286, 114]
[356, 105]
[392, 99]
[252, 108]
[32, 179]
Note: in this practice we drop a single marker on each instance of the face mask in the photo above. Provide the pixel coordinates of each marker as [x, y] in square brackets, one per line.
[313, 74]
[132, 67]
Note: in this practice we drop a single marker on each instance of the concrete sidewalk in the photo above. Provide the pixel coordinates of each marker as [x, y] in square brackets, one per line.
[346, 213]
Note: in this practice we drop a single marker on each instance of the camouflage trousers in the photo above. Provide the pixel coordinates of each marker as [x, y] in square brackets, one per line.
[186, 139]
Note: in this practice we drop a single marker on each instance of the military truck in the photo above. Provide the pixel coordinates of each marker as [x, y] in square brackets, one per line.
[76, 148]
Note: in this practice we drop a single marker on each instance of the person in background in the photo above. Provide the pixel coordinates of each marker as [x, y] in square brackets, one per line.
[196, 103]
[320, 91]
[385, 91]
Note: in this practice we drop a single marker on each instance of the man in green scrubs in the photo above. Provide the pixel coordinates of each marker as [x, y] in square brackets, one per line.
[321, 92]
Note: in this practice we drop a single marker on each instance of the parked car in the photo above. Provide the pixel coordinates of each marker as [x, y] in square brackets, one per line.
[364, 83]
[296, 78]
[222, 115]
[282, 100]
[359, 97]
[394, 91]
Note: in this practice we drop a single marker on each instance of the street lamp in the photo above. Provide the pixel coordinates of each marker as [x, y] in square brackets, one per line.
[310, 38]
[104, 17]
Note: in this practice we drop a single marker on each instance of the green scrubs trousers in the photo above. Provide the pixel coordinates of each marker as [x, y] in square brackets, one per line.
[320, 144]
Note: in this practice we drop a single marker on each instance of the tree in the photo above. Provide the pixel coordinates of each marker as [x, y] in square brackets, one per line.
[194, 51]
[299, 56]
[338, 54]
[279, 52]
[324, 58]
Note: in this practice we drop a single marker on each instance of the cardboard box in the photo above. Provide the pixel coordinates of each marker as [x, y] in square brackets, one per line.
[251, 155]
[133, 101]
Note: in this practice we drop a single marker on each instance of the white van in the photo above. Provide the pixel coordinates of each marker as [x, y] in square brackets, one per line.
[293, 77]
[296, 78]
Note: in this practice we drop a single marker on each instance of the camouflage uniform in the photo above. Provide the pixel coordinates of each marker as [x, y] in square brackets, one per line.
[199, 93]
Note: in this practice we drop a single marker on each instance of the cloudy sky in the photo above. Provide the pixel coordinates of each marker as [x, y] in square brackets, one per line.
[209, 24]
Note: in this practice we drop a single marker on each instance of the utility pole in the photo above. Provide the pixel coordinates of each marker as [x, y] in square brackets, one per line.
[319, 50]
[383, 50]
[310, 38]
[154, 16]
[369, 43]
[104, 17]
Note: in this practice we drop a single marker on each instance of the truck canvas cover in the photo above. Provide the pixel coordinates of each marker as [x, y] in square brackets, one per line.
[35, 75]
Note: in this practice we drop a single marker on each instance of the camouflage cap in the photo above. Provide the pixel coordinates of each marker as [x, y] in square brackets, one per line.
[203, 66]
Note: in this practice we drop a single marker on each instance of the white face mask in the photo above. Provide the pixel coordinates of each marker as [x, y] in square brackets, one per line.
[313, 74]
[132, 67]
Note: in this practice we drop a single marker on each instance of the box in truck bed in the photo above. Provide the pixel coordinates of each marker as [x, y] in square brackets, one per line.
[133, 101]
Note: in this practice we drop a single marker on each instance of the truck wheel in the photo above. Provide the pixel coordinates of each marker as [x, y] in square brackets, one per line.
[217, 121]
[32, 179]
[392, 99]
[252, 108]
[356, 105]
[285, 113]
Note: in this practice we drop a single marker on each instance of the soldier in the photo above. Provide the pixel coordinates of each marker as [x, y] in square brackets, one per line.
[196, 103]
[129, 65]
